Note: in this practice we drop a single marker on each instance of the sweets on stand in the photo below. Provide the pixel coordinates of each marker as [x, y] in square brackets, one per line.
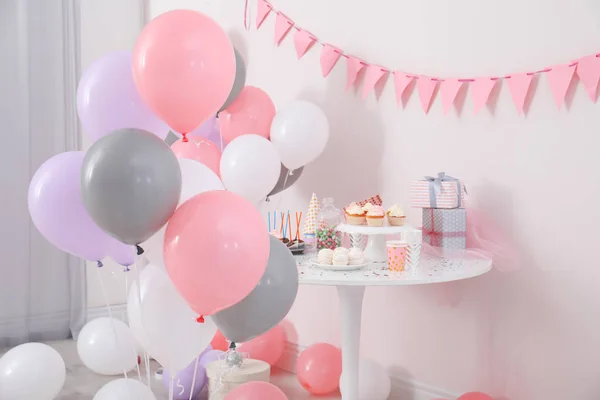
[355, 215]
[355, 256]
[325, 256]
[375, 216]
[340, 256]
[396, 216]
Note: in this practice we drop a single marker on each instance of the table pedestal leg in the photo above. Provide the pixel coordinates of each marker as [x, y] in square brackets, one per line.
[375, 250]
[351, 298]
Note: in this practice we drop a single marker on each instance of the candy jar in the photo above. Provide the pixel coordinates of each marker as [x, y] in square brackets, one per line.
[329, 218]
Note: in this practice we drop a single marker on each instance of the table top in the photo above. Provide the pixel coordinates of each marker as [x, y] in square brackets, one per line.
[430, 270]
[374, 230]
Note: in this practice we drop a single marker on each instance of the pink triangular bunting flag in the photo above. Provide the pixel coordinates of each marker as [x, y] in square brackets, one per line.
[353, 67]
[480, 90]
[518, 86]
[262, 10]
[426, 87]
[329, 56]
[302, 41]
[401, 82]
[588, 70]
[372, 75]
[449, 89]
[282, 27]
[559, 78]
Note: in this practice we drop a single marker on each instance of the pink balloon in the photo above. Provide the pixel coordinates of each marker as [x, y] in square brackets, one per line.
[201, 150]
[184, 68]
[216, 250]
[475, 396]
[268, 347]
[256, 391]
[251, 113]
[319, 368]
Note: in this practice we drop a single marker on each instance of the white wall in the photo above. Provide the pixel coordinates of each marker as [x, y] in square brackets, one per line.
[528, 335]
[106, 26]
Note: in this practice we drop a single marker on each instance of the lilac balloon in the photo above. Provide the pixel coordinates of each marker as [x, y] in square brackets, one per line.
[182, 383]
[107, 99]
[121, 253]
[211, 356]
[57, 210]
[208, 130]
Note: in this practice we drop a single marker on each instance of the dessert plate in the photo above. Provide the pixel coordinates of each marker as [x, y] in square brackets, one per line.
[330, 267]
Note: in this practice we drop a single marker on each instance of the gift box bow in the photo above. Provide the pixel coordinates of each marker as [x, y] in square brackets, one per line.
[435, 187]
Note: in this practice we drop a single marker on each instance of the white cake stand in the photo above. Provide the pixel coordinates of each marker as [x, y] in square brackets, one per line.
[375, 250]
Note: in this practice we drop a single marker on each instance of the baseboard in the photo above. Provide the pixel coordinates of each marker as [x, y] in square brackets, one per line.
[118, 311]
[402, 387]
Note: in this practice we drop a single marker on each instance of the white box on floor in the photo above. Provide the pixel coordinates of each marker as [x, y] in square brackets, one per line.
[230, 378]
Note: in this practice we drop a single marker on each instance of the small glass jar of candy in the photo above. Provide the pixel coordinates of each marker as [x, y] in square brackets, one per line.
[328, 219]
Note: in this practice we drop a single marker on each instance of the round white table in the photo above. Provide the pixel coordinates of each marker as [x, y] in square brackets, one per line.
[351, 288]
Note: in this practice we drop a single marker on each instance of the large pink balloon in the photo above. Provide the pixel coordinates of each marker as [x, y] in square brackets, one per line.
[267, 347]
[475, 396]
[256, 391]
[201, 150]
[57, 211]
[107, 99]
[184, 68]
[216, 250]
[319, 368]
[251, 113]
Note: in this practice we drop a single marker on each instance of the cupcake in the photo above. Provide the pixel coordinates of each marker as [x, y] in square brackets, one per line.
[355, 215]
[340, 256]
[395, 215]
[375, 216]
[325, 256]
[355, 256]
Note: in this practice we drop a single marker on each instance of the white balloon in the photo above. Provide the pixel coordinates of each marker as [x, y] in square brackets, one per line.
[299, 132]
[250, 167]
[374, 382]
[150, 276]
[124, 389]
[174, 338]
[196, 178]
[107, 346]
[31, 371]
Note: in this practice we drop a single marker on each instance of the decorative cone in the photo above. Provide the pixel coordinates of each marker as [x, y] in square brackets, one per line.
[310, 222]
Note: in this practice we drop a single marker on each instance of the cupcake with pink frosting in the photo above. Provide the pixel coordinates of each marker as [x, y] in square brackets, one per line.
[375, 216]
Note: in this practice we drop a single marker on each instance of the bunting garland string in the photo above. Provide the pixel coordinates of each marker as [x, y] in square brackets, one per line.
[559, 76]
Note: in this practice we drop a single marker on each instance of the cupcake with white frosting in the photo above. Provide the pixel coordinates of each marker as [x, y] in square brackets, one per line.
[355, 215]
[396, 216]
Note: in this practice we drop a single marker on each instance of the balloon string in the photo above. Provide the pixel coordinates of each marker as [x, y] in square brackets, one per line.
[108, 308]
[137, 357]
[246, 17]
[194, 378]
[220, 134]
[171, 384]
[136, 265]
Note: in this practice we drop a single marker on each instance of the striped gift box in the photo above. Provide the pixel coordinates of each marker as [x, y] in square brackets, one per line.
[446, 198]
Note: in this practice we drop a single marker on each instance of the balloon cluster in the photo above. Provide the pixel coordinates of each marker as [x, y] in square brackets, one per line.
[192, 206]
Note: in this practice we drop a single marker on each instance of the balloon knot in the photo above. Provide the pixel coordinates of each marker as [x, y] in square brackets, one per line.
[139, 249]
[268, 199]
[200, 319]
[99, 264]
[185, 139]
[217, 116]
[291, 172]
[232, 346]
[126, 269]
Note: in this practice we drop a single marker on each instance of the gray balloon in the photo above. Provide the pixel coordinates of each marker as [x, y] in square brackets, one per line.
[130, 183]
[239, 82]
[285, 180]
[268, 303]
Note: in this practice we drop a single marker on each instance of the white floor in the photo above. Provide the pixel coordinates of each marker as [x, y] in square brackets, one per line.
[82, 383]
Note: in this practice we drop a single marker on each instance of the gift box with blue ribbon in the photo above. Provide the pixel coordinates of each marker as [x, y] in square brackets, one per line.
[442, 191]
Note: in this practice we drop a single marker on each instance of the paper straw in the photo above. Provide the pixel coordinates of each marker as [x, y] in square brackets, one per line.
[289, 225]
